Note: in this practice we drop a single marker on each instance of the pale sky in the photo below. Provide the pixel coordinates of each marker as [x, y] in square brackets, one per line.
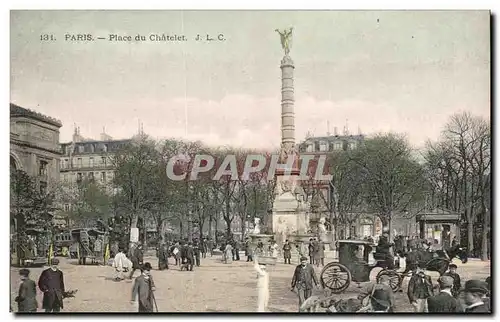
[400, 71]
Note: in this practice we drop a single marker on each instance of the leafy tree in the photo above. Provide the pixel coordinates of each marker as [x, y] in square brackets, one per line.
[393, 179]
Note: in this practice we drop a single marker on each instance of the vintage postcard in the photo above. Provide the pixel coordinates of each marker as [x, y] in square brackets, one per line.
[250, 161]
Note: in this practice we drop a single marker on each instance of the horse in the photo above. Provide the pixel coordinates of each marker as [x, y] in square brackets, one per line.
[434, 261]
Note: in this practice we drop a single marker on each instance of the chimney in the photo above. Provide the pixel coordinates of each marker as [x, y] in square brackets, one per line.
[327, 128]
[335, 131]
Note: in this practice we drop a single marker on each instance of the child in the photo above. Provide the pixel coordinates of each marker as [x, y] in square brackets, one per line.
[452, 272]
[26, 300]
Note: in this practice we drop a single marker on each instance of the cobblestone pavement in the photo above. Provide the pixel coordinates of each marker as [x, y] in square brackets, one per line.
[212, 287]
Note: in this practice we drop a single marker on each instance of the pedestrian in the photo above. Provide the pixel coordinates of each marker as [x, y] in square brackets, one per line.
[419, 290]
[143, 289]
[120, 262]
[177, 253]
[380, 301]
[319, 253]
[274, 248]
[262, 286]
[197, 253]
[311, 251]
[457, 284]
[287, 252]
[236, 250]
[204, 248]
[210, 246]
[303, 279]
[367, 293]
[228, 254]
[248, 250]
[162, 257]
[444, 302]
[384, 247]
[137, 256]
[474, 292]
[26, 299]
[51, 283]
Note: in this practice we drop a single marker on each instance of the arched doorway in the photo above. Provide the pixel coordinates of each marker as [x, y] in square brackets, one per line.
[15, 163]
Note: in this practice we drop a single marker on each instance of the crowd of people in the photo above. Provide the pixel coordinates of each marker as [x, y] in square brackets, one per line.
[449, 293]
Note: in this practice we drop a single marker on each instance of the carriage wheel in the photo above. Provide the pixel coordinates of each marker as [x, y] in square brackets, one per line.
[395, 279]
[336, 277]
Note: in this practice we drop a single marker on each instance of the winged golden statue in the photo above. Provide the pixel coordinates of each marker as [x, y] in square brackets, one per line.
[286, 39]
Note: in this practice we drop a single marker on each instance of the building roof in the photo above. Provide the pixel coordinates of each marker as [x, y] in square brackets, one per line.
[16, 110]
[91, 147]
[335, 137]
[438, 215]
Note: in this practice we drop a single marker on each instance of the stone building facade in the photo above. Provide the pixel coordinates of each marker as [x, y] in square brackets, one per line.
[87, 159]
[34, 146]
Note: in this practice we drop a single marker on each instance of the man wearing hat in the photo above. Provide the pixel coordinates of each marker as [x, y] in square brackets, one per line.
[143, 289]
[380, 301]
[26, 300]
[51, 283]
[384, 284]
[474, 291]
[303, 279]
[384, 246]
[136, 257]
[444, 301]
[419, 289]
[457, 283]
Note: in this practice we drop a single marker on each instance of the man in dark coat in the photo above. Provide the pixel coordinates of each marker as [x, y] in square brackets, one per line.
[236, 247]
[26, 300]
[162, 257]
[419, 290]
[311, 251]
[136, 258]
[187, 255]
[475, 290]
[51, 283]
[143, 289]
[457, 283]
[248, 250]
[287, 252]
[303, 279]
[197, 252]
[444, 302]
[383, 247]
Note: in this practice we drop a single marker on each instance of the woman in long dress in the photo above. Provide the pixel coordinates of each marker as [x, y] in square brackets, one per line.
[274, 249]
[228, 254]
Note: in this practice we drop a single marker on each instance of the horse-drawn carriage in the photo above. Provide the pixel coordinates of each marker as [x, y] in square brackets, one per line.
[88, 244]
[354, 265]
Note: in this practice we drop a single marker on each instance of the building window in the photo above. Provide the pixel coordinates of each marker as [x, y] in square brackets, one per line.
[43, 188]
[65, 177]
[310, 147]
[81, 148]
[338, 145]
[79, 162]
[66, 207]
[42, 171]
[323, 146]
[91, 162]
[103, 176]
[91, 176]
[79, 177]
[103, 161]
